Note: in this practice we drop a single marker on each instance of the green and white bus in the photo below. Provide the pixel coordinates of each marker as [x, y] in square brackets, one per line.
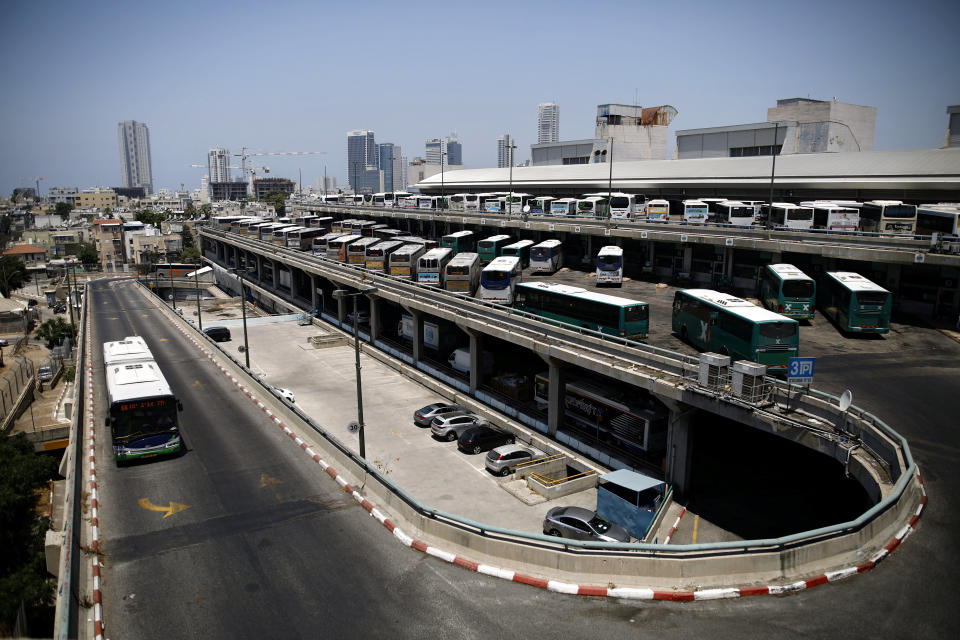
[459, 241]
[608, 314]
[788, 291]
[492, 247]
[723, 323]
[854, 303]
[521, 249]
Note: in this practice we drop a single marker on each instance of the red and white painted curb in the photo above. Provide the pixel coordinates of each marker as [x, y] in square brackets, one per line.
[676, 523]
[94, 495]
[633, 593]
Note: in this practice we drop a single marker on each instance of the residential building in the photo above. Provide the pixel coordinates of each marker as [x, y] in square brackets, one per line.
[97, 198]
[218, 165]
[134, 140]
[107, 236]
[228, 191]
[30, 255]
[801, 125]
[263, 186]
[61, 194]
[505, 151]
[57, 242]
[448, 148]
[363, 172]
[548, 122]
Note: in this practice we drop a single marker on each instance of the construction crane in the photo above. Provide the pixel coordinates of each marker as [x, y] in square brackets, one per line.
[244, 169]
[35, 181]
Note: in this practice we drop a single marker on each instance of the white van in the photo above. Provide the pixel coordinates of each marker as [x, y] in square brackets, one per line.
[460, 360]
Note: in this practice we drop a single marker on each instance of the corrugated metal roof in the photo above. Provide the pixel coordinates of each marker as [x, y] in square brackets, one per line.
[926, 168]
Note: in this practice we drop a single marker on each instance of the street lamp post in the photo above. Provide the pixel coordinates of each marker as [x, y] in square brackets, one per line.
[510, 149]
[340, 294]
[173, 289]
[196, 284]
[773, 171]
[243, 310]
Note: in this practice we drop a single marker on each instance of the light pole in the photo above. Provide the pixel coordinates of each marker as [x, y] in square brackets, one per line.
[339, 294]
[173, 287]
[196, 284]
[773, 171]
[510, 149]
[243, 310]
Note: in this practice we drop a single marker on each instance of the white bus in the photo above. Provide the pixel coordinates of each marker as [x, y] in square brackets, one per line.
[888, 217]
[736, 213]
[695, 212]
[463, 273]
[593, 207]
[403, 261]
[540, 206]
[833, 217]
[624, 206]
[333, 198]
[546, 257]
[786, 215]
[474, 201]
[495, 203]
[514, 203]
[658, 210]
[391, 198]
[456, 201]
[378, 255]
[379, 199]
[938, 218]
[499, 279]
[610, 265]
[563, 207]
[407, 202]
[425, 202]
[431, 267]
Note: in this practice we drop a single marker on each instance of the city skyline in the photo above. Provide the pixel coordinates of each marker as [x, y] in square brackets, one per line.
[62, 131]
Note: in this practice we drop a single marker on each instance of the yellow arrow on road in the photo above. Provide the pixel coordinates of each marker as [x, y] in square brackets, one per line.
[266, 481]
[169, 511]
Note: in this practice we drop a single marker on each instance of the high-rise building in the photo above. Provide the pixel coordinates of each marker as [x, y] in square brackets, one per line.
[391, 163]
[505, 150]
[363, 171]
[218, 162]
[454, 150]
[548, 122]
[134, 140]
[450, 146]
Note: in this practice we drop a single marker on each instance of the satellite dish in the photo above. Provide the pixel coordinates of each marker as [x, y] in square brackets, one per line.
[845, 400]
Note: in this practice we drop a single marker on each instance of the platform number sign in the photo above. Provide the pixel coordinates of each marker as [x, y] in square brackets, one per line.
[800, 370]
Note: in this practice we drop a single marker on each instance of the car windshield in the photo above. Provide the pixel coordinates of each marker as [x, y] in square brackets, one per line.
[599, 525]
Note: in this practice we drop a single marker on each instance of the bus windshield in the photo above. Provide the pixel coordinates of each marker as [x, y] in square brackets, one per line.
[802, 213]
[797, 288]
[900, 211]
[585, 206]
[142, 418]
[619, 202]
[774, 330]
[636, 314]
[608, 263]
[495, 279]
[540, 253]
[871, 299]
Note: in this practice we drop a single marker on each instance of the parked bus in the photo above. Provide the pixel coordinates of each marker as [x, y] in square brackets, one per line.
[357, 250]
[280, 234]
[142, 412]
[378, 255]
[320, 243]
[492, 247]
[725, 324]
[521, 249]
[658, 210]
[431, 266]
[403, 261]
[888, 216]
[407, 202]
[426, 202]
[387, 233]
[173, 269]
[265, 231]
[624, 206]
[499, 279]
[463, 273]
[833, 217]
[379, 200]
[455, 201]
[514, 203]
[428, 244]
[244, 225]
[694, 212]
[540, 206]
[605, 414]
[712, 206]
[391, 199]
[736, 213]
[600, 312]
[565, 207]
[854, 303]
[546, 257]
[786, 215]
[333, 198]
[458, 241]
[495, 203]
[302, 240]
[788, 291]
[337, 247]
[593, 207]
[938, 218]
[610, 265]
[474, 201]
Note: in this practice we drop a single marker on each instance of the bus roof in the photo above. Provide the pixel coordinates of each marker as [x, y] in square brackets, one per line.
[558, 200]
[737, 306]
[695, 201]
[497, 238]
[579, 292]
[550, 242]
[345, 238]
[519, 244]
[364, 242]
[464, 258]
[383, 245]
[408, 248]
[788, 272]
[855, 281]
[130, 349]
[610, 250]
[437, 254]
[134, 380]
[459, 234]
[503, 263]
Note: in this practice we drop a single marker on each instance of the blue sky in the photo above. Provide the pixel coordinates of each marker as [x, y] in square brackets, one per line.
[296, 76]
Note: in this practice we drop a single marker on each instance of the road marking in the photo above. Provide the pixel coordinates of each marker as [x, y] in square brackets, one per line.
[696, 521]
[267, 481]
[173, 508]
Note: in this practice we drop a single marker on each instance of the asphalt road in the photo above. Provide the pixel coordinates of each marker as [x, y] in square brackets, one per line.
[270, 548]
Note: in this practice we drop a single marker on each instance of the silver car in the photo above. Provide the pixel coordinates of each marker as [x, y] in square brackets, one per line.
[423, 417]
[582, 524]
[450, 428]
[503, 460]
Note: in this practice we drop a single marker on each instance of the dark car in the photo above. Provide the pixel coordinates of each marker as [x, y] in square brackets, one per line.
[478, 439]
[424, 416]
[577, 523]
[60, 308]
[218, 334]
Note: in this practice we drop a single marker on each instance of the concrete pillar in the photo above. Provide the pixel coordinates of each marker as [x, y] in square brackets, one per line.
[555, 402]
[341, 310]
[687, 266]
[652, 253]
[314, 296]
[475, 346]
[374, 317]
[588, 256]
[417, 332]
[293, 284]
[893, 277]
[776, 257]
[728, 263]
[680, 449]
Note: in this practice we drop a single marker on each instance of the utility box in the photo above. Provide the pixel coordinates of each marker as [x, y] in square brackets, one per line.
[749, 380]
[714, 370]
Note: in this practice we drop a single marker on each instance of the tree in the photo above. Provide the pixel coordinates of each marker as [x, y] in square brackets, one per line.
[87, 253]
[186, 238]
[206, 210]
[13, 275]
[54, 331]
[107, 211]
[190, 211]
[23, 575]
[189, 255]
[148, 216]
[278, 199]
[63, 209]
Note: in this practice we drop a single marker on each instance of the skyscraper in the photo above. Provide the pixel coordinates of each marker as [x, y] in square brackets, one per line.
[504, 143]
[362, 161]
[454, 150]
[449, 145]
[134, 140]
[218, 163]
[548, 122]
[391, 163]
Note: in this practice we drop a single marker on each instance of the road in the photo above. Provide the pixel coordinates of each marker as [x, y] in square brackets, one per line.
[268, 546]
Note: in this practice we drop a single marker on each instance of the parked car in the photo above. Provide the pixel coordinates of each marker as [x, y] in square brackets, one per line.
[45, 374]
[59, 308]
[477, 439]
[424, 416]
[218, 334]
[286, 394]
[577, 523]
[363, 317]
[450, 427]
[503, 460]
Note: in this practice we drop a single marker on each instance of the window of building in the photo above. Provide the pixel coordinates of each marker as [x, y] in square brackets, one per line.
[581, 160]
[744, 152]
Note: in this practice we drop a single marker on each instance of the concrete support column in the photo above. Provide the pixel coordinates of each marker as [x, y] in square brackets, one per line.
[687, 266]
[555, 402]
[893, 277]
[417, 332]
[680, 449]
[314, 296]
[776, 257]
[293, 284]
[728, 263]
[652, 253]
[374, 302]
[342, 310]
[476, 340]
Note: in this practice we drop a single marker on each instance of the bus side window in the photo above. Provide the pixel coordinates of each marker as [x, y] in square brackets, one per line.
[677, 303]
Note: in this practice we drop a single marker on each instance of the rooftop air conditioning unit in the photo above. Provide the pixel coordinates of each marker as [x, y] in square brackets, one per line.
[748, 381]
[714, 371]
